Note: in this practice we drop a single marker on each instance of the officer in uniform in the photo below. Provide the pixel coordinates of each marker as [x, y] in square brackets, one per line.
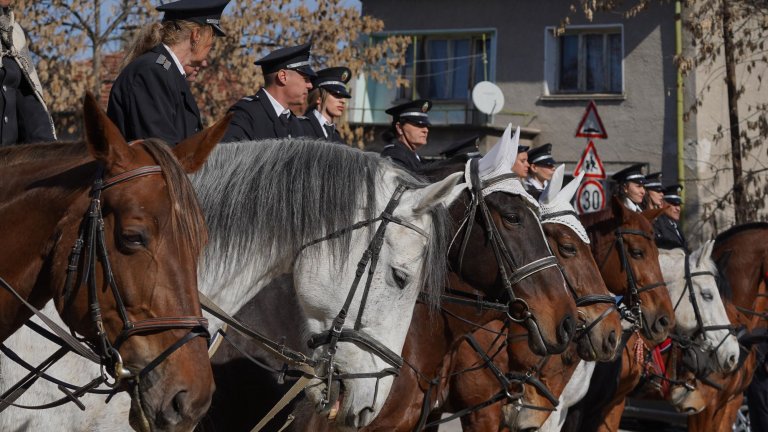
[326, 103]
[267, 114]
[629, 189]
[541, 170]
[665, 227]
[410, 124]
[24, 116]
[151, 97]
[654, 192]
[466, 148]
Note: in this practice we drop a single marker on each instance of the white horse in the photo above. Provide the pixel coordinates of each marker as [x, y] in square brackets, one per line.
[265, 204]
[723, 345]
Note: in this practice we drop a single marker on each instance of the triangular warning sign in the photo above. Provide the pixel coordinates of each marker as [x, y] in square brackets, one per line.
[591, 126]
[590, 163]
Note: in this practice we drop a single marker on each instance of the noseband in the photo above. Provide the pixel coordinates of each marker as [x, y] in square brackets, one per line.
[91, 237]
[338, 333]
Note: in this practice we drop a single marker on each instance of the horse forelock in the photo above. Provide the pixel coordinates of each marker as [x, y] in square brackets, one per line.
[279, 195]
[187, 222]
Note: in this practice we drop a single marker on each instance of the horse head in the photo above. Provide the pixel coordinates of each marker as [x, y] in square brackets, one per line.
[118, 240]
[623, 246]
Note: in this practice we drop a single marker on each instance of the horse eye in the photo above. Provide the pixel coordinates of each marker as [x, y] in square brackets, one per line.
[512, 219]
[400, 278]
[706, 295]
[636, 253]
[133, 240]
[567, 249]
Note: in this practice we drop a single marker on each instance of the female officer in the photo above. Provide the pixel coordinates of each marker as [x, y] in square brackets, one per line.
[326, 103]
[151, 97]
[410, 125]
[24, 117]
[654, 192]
[630, 186]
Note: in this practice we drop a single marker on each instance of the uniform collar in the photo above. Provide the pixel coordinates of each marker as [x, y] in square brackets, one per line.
[631, 205]
[175, 60]
[279, 108]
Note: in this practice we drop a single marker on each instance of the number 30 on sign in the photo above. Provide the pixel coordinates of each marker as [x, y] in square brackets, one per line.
[590, 197]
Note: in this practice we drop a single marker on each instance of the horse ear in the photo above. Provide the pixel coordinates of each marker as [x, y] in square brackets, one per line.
[553, 187]
[104, 141]
[650, 215]
[501, 156]
[567, 193]
[193, 151]
[618, 208]
[444, 192]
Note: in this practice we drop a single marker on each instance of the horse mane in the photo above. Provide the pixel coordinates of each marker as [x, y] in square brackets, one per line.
[187, 221]
[732, 231]
[272, 197]
[15, 154]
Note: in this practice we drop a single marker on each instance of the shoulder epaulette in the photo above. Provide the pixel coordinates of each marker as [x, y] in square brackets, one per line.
[163, 61]
[247, 99]
[389, 146]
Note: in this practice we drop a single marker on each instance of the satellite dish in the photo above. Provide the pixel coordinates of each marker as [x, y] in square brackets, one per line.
[487, 97]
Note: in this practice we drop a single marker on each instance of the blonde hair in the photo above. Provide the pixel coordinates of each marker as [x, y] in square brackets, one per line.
[314, 95]
[169, 32]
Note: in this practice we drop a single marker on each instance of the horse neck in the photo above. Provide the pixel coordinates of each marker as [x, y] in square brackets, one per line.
[37, 213]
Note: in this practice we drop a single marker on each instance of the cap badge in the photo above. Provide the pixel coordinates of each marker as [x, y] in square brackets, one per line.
[344, 76]
[425, 107]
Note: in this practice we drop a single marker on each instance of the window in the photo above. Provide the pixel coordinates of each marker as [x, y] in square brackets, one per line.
[442, 66]
[447, 67]
[585, 60]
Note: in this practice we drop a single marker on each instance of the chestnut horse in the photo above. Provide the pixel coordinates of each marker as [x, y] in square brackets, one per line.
[112, 232]
[742, 258]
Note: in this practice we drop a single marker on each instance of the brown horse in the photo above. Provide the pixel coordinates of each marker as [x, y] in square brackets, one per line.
[742, 258]
[129, 285]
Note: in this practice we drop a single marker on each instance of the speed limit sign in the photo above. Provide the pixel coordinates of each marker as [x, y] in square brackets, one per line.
[590, 197]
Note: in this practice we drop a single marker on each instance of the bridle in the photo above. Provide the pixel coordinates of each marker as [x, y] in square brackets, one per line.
[91, 236]
[585, 300]
[633, 312]
[337, 333]
[691, 344]
[104, 352]
[511, 274]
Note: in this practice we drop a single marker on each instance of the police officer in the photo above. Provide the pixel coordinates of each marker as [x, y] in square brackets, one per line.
[151, 97]
[24, 118]
[665, 227]
[326, 103]
[466, 148]
[542, 168]
[654, 192]
[630, 190]
[410, 125]
[267, 114]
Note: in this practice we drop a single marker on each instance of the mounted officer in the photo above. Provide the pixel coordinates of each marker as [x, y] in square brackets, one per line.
[410, 125]
[541, 170]
[630, 189]
[654, 192]
[25, 118]
[151, 96]
[267, 114]
[665, 227]
[326, 103]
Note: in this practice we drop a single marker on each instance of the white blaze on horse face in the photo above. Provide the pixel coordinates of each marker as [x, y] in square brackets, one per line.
[387, 313]
[501, 156]
[709, 303]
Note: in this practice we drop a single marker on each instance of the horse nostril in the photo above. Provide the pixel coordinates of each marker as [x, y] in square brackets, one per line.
[567, 329]
[611, 341]
[177, 409]
[663, 322]
[731, 361]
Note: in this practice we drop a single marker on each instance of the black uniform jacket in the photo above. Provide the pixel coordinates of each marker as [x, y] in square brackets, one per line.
[152, 99]
[255, 119]
[402, 155]
[668, 234]
[23, 118]
[314, 129]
